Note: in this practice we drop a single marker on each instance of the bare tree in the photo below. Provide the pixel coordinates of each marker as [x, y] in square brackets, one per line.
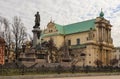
[7, 35]
[19, 33]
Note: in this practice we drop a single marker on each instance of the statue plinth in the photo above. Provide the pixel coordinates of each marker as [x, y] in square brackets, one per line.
[36, 36]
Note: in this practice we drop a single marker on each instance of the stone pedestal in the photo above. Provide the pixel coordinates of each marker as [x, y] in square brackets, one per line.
[36, 32]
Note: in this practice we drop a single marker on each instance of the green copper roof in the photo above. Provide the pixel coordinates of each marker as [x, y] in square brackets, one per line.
[59, 28]
[79, 27]
[73, 28]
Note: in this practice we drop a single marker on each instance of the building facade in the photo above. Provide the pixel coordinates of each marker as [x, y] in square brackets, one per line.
[88, 41]
[2, 51]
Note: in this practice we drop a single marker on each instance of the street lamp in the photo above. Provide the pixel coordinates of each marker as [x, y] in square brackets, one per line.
[83, 57]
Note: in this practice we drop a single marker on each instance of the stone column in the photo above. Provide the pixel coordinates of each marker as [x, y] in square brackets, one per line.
[109, 35]
[102, 33]
[107, 57]
[103, 56]
[98, 33]
[109, 54]
[101, 50]
[106, 34]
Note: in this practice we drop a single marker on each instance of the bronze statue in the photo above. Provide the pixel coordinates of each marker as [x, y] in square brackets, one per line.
[37, 20]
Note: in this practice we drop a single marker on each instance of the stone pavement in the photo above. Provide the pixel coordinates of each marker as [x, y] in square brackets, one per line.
[90, 77]
[66, 76]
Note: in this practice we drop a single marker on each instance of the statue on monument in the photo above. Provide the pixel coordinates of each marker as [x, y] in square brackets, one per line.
[37, 20]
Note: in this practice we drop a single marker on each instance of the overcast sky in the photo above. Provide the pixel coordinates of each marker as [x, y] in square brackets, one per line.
[62, 12]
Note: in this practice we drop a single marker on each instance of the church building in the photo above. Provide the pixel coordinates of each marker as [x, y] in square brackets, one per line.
[88, 41]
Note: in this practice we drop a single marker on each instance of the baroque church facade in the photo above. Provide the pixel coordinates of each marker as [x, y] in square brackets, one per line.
[87, 41]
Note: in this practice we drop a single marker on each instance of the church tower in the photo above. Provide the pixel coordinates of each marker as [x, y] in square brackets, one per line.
[104, 39]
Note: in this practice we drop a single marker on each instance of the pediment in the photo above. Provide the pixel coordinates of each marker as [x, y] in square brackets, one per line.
[51, 25]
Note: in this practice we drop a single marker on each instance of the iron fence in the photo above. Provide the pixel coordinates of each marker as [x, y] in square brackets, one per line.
[23, 70]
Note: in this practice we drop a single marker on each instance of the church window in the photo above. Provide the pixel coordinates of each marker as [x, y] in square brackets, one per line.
[69, 42]
[78, 41]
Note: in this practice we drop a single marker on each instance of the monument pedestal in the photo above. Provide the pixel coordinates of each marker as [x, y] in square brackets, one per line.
[36, 36]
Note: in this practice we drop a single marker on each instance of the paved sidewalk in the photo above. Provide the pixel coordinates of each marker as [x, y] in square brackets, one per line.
[90, 77]
[62, 76]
